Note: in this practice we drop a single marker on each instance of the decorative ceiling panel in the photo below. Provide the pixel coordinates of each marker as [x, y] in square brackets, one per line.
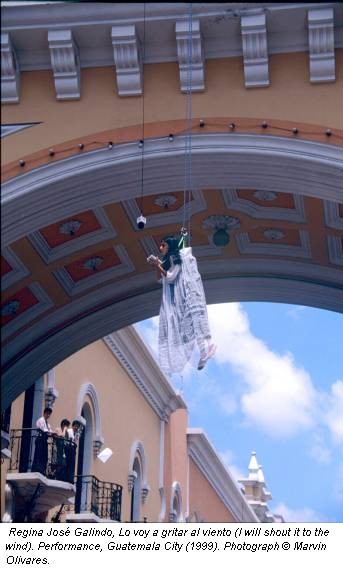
[262, 204]
[72, 234]
[12, 269]
[162, 203]
[22, 307]
[275, 235]
[5, 266]
[167, 215]
[333, 216]
[335, 248]
[82, 268]
[94, 270]
[70, 228]
[246, 246]
[267, 198]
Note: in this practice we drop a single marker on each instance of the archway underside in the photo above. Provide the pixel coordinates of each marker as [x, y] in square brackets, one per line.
[74, 264]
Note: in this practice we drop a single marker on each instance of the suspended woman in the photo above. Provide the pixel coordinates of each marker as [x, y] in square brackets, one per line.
[183, 314]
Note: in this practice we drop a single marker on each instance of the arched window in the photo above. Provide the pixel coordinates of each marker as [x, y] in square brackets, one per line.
[137, 480]
[88, 391]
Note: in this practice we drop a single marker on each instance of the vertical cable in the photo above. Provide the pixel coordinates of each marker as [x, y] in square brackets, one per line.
[143, 111]
[188, 138]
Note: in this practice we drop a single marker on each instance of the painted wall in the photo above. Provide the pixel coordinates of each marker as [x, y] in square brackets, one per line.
[176, 461]
[204, 500]
[290, 96]
[126, 417]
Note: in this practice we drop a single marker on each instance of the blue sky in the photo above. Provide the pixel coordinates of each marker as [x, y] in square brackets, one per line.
[275, 387]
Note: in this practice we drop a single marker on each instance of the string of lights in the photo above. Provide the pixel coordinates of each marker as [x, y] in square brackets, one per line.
[230, 127]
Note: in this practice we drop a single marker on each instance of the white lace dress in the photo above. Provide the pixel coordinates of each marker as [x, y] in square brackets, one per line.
[183, 319]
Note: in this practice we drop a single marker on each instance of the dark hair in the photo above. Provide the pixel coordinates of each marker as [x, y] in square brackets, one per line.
[76, 423]
[47, 410]
[173, 252]
[65, 423]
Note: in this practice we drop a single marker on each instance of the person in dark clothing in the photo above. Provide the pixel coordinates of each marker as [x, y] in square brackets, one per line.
[40, 459]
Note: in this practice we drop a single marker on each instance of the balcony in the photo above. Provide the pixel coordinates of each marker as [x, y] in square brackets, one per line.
[5, 442]
[41, 471]
[5, 438]
[96, 501]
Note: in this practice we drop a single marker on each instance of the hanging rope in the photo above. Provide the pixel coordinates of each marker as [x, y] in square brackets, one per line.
[142, 142]
[187, 193]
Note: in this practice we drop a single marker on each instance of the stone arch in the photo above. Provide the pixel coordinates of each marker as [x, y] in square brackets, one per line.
[223, 161]
[89, 390]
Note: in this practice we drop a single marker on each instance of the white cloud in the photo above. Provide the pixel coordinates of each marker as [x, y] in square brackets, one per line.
[319, 450]
[338, 485]
[279, 397]
[294, 312]
[334, 415]
[275, 394]
[148, 329]
[301, 515]
[228, 459]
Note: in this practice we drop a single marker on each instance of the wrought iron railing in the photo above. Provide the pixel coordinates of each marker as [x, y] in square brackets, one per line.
[33, 450]
[101, 498]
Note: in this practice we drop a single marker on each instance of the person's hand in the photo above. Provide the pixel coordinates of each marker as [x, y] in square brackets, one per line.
[152, 260]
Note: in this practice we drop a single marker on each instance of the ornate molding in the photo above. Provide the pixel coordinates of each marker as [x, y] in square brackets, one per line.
[145, 493]
[131, 479]
[208, 462]
[65, 64]
[196, 205]
[51, 254]
[245, 246]
[313, 169]
[255, 50]
[97, 445]
[321, 45]
[8, 129]
[89, 389]
[50, 396]
[220, 28]
[19, 270]
[233, 201]
[190, 56]
[128, 61]
[10, 74]
[138, 362]
[95, 277]
[331, 214]
[335, 249]
[43, 304]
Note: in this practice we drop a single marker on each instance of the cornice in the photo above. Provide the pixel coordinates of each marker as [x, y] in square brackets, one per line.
[207, 460]
[218, 24]
[129, 349]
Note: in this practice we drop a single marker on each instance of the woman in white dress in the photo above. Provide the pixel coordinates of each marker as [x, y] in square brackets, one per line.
[183, 314]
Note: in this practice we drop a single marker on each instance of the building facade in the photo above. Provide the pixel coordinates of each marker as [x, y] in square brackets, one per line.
[81, 89]
[159, 469]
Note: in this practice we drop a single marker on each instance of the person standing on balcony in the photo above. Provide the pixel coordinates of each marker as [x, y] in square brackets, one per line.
[40, 459]
[60, 458]
[72, 436]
